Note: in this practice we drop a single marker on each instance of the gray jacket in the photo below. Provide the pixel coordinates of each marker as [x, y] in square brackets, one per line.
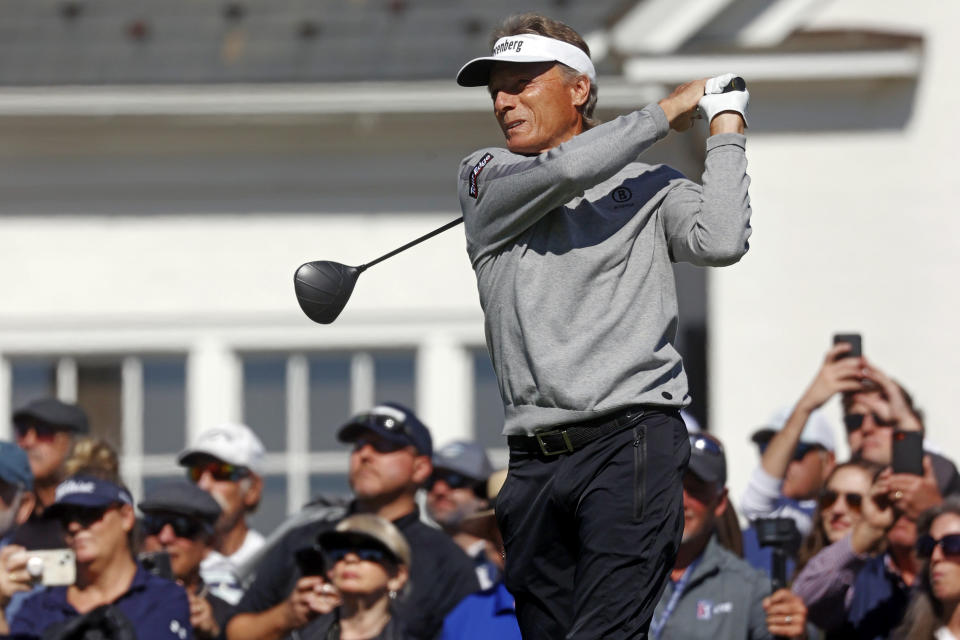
[572, 250]
[722, 600]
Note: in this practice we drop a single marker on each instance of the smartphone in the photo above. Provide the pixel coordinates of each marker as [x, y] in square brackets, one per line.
[52, 567]
[310, 561]
[157, 563]
[908, 452]
[855, 342]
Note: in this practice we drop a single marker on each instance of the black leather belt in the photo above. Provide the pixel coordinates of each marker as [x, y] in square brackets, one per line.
[567, 439]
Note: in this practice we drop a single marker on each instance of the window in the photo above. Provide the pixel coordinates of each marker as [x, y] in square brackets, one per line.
[32, 379]
[330, 394]
[264, 399]
[164, 405]
[98, 392]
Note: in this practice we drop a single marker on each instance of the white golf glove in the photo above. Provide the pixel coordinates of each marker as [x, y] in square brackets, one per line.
[719, 96]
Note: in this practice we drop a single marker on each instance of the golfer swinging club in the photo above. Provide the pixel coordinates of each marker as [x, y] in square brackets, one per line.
[571, 239]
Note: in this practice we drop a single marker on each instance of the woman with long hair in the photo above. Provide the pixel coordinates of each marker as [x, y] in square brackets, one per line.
[934, 611]
[838, 507]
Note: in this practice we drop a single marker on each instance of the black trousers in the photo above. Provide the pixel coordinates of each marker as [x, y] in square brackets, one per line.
[592, 535]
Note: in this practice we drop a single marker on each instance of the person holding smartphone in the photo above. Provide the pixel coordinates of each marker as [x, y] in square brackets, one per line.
[858, 587]
[98, 518]
[367, 568]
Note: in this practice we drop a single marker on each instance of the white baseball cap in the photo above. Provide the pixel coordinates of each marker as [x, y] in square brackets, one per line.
[231, 442]
[525, 47]
[818, 430]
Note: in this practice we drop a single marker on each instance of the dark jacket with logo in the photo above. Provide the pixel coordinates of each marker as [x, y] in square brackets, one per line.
[722, 600]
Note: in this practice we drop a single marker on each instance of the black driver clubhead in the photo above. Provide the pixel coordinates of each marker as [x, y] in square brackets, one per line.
[323, 288]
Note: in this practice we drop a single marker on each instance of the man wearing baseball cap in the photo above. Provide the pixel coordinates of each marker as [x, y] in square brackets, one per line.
[390, 461]
[181, 518]
[572, 240]
[455, 492]
[227, 461]
[712, 594]
[46, 429]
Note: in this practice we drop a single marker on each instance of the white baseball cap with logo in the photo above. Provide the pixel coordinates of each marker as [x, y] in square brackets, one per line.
[526, 47]
[231, 442]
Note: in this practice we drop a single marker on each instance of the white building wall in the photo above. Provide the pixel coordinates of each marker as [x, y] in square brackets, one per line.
[852, 232]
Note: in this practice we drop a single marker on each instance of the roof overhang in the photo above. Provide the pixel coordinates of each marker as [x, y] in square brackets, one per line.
[278, 100]
[783, 67]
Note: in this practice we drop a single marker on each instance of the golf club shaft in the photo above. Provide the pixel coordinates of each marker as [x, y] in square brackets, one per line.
[449, 225]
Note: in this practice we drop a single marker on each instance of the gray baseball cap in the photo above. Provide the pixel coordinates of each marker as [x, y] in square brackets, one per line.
[464, 457]
[184, 498]
[62, 416]
[707, 459]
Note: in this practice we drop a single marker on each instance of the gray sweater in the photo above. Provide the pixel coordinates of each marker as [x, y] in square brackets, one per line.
[572, 251]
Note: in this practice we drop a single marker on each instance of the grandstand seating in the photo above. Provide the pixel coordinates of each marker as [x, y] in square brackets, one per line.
[90, 42]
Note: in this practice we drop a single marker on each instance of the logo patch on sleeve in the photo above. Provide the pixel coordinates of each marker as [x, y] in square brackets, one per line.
[475, 173]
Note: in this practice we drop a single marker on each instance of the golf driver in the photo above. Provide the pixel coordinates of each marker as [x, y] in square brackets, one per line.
[324, 287]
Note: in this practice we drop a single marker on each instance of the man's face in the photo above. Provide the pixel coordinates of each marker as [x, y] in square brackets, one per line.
[903, 533]
[381, 468]
[874, 439]
[536, 104]
[232, 488]
[186, 552]
[451, 498]
[46, 449]
[703, 503]
[806, 474]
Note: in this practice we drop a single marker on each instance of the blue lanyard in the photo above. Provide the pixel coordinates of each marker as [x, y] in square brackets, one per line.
[657, 625]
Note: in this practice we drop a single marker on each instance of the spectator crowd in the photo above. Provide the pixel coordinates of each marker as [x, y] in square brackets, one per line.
[862, 548]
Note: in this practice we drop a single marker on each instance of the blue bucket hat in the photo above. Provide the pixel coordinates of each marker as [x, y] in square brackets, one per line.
[14, 466]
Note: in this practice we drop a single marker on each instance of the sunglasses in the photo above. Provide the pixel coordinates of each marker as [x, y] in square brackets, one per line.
[183, 526]
[380, 445]
[44, 432]
[829, 497]
[220, 471]
[83, 516]
[368, 554]
[950, 545]
[854, 421]
[452, 480]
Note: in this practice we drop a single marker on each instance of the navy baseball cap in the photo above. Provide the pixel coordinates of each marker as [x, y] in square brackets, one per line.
[88, 491]
[466, 458]
[393, 422]
[182, 498]
[707, 459]
[14, 466]
[52, 412]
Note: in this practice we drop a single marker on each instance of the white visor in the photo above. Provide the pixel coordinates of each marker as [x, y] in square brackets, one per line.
[525, 47]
